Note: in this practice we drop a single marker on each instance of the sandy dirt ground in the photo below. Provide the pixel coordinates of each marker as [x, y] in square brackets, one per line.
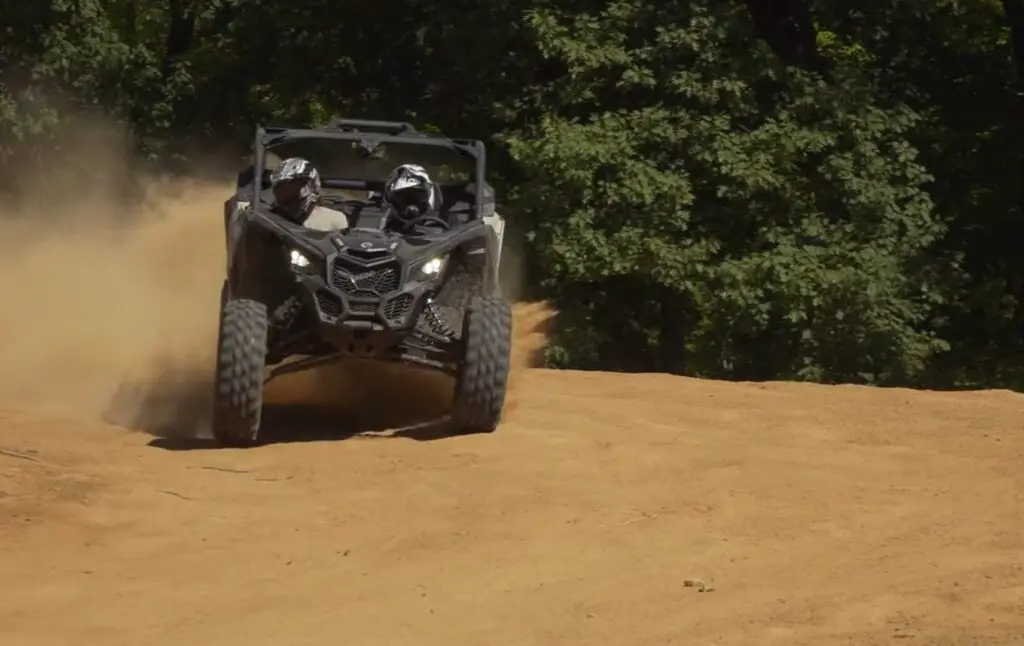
[607, 509]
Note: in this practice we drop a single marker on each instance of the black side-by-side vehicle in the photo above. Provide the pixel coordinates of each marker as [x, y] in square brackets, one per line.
[428, 295]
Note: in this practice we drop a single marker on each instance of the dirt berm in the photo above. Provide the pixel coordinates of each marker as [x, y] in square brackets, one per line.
[607, 509]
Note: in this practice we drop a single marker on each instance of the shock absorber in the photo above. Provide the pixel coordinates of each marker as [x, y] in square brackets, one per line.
[286, 313]
[436, 321]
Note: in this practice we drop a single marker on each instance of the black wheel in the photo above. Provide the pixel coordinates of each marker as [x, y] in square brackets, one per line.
[482, 380]
[238, 383]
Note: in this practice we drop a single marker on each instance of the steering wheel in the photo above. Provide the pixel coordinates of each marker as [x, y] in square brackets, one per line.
[432, 220]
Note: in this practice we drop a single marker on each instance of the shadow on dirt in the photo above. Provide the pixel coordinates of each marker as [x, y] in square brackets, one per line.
[364, 400]
[355, 399]
[288, 423]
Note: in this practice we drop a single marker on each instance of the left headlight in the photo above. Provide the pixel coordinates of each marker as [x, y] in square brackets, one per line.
[432, 268]
[303, 264]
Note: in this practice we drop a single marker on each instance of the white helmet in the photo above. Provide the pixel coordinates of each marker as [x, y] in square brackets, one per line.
[411, 191]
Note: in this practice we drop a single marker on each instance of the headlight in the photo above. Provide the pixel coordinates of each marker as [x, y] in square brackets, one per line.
[432, 268]
[299, 260]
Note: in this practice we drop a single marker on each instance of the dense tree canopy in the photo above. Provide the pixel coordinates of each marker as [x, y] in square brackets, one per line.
[756, 190]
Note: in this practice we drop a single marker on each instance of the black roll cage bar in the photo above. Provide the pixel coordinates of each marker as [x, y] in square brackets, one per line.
[372, 133]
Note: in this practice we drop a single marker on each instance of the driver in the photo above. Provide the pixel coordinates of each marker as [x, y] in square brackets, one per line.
[411, 192]
[297, 189]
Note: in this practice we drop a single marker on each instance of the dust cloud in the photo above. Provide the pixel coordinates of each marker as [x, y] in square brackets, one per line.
[98, 301]
[110, 287]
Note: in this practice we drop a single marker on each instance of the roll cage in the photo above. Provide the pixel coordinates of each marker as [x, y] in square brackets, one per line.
[368, 136]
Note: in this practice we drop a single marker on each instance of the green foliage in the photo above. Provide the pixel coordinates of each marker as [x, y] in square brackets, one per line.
[702, 189]
[790, 209]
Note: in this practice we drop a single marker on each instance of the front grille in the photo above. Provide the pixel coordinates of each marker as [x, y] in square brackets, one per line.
[357, 282]
[363, 308]
[329, 304]
[398, 307]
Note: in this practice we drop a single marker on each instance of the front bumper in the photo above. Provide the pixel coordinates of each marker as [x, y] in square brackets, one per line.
[363, 310]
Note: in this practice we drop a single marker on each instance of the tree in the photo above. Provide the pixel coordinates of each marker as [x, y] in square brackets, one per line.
[685, 162]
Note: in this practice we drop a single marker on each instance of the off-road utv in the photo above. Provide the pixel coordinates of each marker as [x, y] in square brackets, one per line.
[428, 295]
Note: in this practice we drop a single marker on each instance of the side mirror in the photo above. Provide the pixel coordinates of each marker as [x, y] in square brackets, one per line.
[245, 177]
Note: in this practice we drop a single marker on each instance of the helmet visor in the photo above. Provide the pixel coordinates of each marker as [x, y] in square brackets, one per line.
[289, 192]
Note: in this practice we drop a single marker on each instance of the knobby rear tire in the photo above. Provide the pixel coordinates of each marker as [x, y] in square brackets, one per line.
[241, 359]
[482, 382]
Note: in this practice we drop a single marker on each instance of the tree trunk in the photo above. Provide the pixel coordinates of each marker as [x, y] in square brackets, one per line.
[181, 27]
[788, 29]
[675, 322]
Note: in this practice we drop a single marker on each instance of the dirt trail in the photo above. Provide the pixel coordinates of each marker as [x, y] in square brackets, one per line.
[608, 509]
